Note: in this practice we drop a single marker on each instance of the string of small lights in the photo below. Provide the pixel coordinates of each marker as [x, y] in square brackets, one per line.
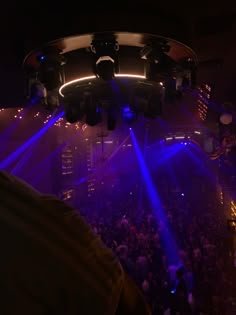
[204, 96]
[20, 113]
[233, 211]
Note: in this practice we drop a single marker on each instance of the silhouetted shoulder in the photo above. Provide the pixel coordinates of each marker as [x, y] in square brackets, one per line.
[53, 262]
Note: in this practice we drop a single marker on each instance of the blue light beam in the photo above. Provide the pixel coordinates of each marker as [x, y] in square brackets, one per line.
[166, 235]
[12, 157]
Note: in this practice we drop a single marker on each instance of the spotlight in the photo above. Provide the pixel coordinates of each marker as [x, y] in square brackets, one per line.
[52, 100]
[154, 106]
[139, 98]
[185, 72]
[158, 64]
[172, 92]
[51, 68]
[147, 99]
[111, 119]
[160, 68]
[105, 58]
[38, 95]
[92, 110]
[153, 49]
[128, 115]
[108, 106]
[36, 92]
[74, 109]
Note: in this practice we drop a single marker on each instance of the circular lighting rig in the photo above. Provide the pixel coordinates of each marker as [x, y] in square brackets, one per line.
[109, 75]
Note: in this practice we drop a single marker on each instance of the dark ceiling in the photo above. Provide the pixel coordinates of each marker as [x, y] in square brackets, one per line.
[27, 25]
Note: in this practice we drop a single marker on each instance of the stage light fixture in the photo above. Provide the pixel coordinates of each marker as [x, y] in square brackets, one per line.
[51, 100]
[168, 67]
[185, 73]
[105, 57]
[74, 109]
[51, 72]
[109, 106]
[37, 92]
[128, 115]
[172, 93]
[111, 119]
[154, 106]
[139, 97]
[92, 110]
[147, 99]
[160, 67]
[38, 95]
[153, 49]
[158, 64]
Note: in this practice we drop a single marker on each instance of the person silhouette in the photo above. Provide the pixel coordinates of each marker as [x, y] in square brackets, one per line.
[180, 304]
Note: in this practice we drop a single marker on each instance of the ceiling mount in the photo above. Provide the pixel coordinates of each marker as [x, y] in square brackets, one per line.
[111, 73]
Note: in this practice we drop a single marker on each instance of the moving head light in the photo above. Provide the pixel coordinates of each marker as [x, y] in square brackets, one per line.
[105, 58]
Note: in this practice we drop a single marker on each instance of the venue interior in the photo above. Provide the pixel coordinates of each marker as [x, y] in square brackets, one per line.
[131, 120]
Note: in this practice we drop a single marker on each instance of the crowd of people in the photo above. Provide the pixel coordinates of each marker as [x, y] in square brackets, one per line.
[200, 278]
[180, 255]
